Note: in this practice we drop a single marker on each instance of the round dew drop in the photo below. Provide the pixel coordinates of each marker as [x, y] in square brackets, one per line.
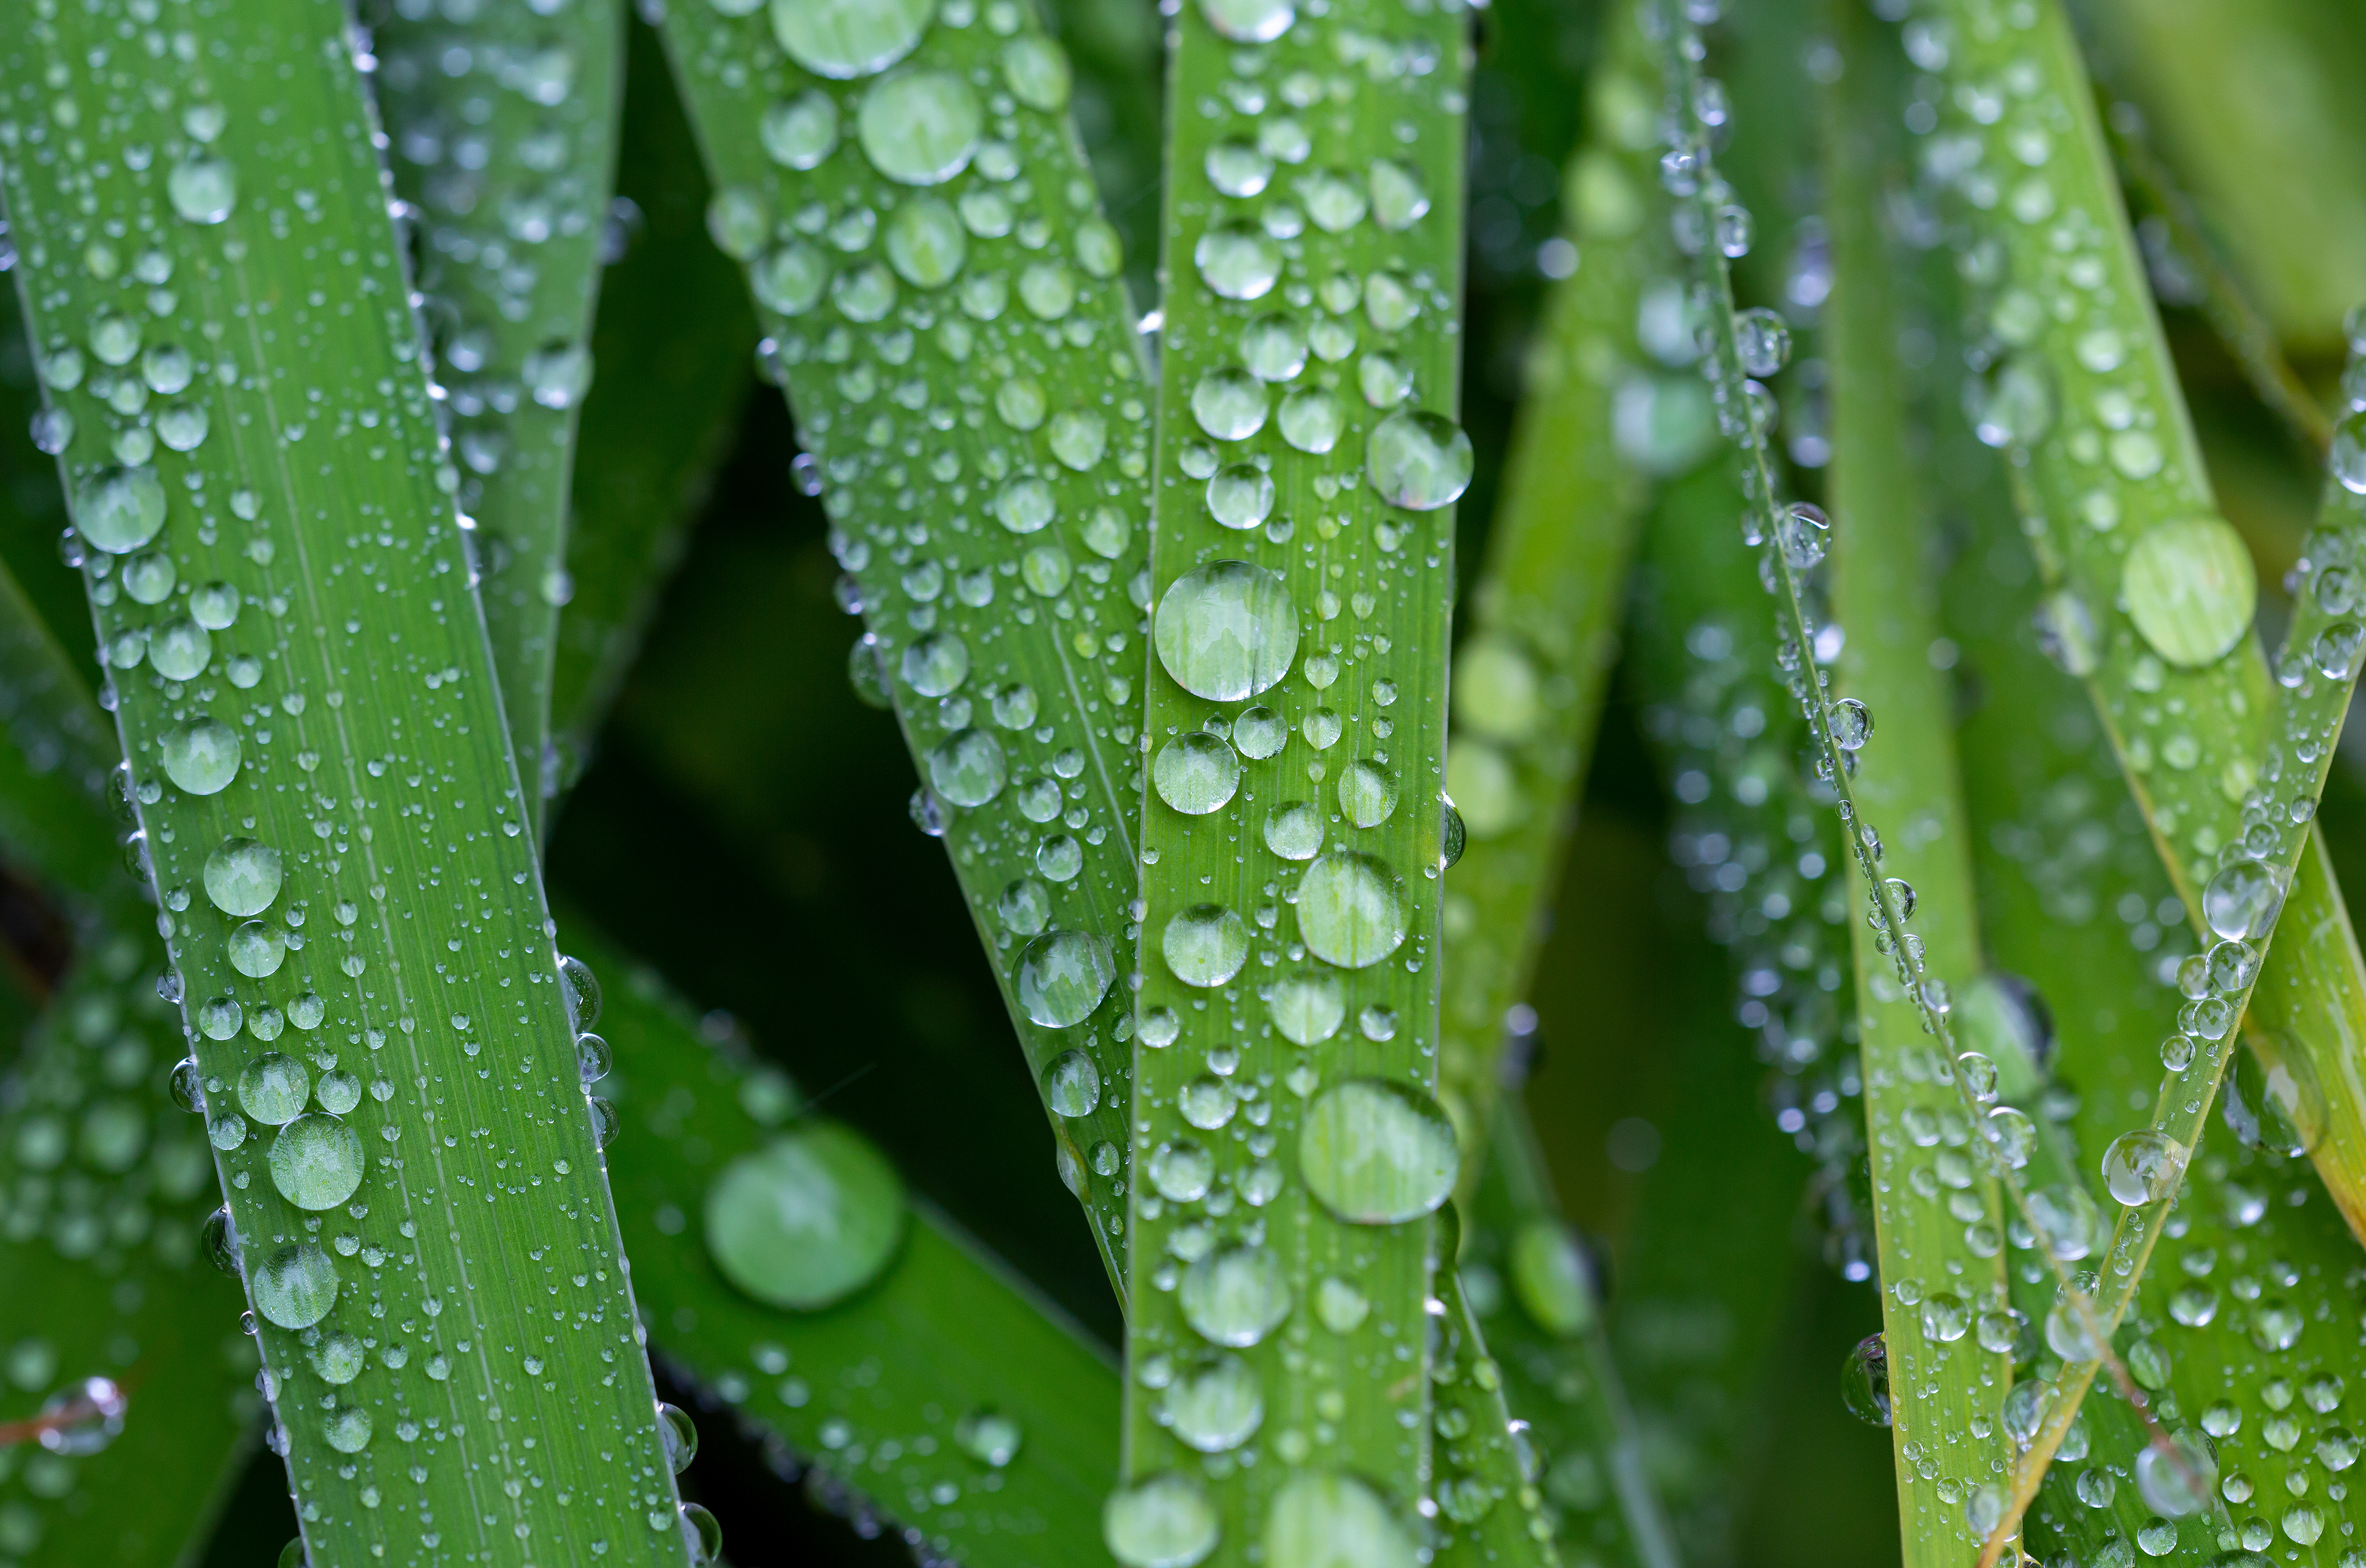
[989, 1437]
[1259, 732]
[180, 650]
[296, 1286]
[1320, 1520]
[1249, 21]
[791, 278]
[243, 876]
[806, 1221]
[1274, 348]
[1182, 1171]
[1236, 1296]
[2191, 590]
[1240, 496]
[1295, 832]
[1237, 262]
[1368, 793]
[1226, 631]
[1072, 1085]
[1163, 1522]
[1351, 910]
[273, 1088]
[844, 39]
[1037, 71]
[1229, 405]
[968, 769]
[204, 189]
[1214, 1410]
[316, 1161]
[2143, 1167]
[802, 132]
[338, 1357]
[256, 950]
[201, 758]
[921, 128]
[1378, 1153]
[1418, 460]
[122, 510]
[1312, 420]
[1195, 774]
[1205, 946]
[1063, 976]
[1551, 1279]
[1307, 1009]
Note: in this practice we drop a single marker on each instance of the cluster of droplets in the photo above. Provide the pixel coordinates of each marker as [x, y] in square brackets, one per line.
[1303, 460]
[922, 236]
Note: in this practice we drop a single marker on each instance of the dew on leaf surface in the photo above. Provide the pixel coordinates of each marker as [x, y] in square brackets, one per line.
[807, 1220]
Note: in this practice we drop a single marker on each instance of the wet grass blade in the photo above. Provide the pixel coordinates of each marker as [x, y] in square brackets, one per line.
[927, 1385]
[1530, 674]
[1286, 1057]
[504, 135]
[319, 758]
[672, 345]
[943, 297]
[1489, 1509]
[1938, 1222]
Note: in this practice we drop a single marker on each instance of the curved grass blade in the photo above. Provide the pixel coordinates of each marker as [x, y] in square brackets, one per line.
[1937, 1220]
[933, 1389]
[962, 364]
[503, 133]
[263, 664]
[671, 342]
[1489, 1509]
[1530, 676]
[1285, 1056]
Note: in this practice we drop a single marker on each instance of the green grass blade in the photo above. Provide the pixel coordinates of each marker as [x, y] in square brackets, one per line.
[1937, 1219]
[503, 132]
[942, 1393]
[671, 343]
[55, 768]
[1489, 1509]
[1530, 674]
[963, 365]
[420, 903]
[1304, 584]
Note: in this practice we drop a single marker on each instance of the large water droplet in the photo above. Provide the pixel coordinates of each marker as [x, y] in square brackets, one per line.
[936, 665]
[1182, 1171]
[83, 1417]
[1063, 976]
[1240, 496]
[1351, 910]
[1215, 1409]
[680, 1435]
[1163, 1522]
[1864, 1382]
[243, 876]
[2190, 589]
[296, 1286]
[2179, 1478]
[122, 510]
[1237, 261]
[1229, 404]
[1205, 944]
[1072, 1085]
[1312, 420]
[921, 128]
[1195, 774]
[1307, 1009]
[316, 1161]
[803, 131]
[201, 758]
[1368, 792]
[2242, 901]
[1418, 460]
[849, 38]
[1320, 1520]
[968, 768]
[1274, 348]
[791, 278]
[204, 189]
[1226, 631]
[272, 1088]
[2143, 1167]
[807, 1220]
[1376, 1153]
[1236, 1296]
[989, 1437]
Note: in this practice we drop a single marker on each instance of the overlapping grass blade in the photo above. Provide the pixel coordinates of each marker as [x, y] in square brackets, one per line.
[317, 757]
[1288, 1142]
[1938, 1223]
[503, 122]
[935, 1392]
[1530, 676]
[941, 295]
[671, 346]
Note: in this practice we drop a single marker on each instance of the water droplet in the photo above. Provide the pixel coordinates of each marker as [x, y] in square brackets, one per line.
[1259, 732]
[1368, 793]
[296, 1286]
[807, 1220]
[204, 189]
[1166, 1521]
[968, 768]
[1229, 404]
[2190, 589]
[1351, 910]
[1803, 533]
[1240, 496]
[1215, 1409]
[122, 510]
[791, 278]
[1378, 1153]
[678, 1433]
[2018, 407]
[989, 1437]
[1274, 348]
[201, 758]
[936, 665]
[1072, 1085]
[2241, 902]
[801, 133]
[2180, 1478]
[1864, 1382]
[1341, 1306]
[1399, 198]
[1307, 1009]
[272, 1088]
[865, 295]
[1195, 774]
[1320, 1520]
[1249, 21]
[1236, 1296]
[243, 878]
[1205, 944]
[1226, 631]
[1182, 1171]
[2143, 1167]
[921, 127]
[1334, 200]
[316, 1161]
[83, 1417]
[1764, 341]
[845, 39]
[1237, 261]
[1551, 1279]
[1418, 460]
[1063, 976]
[1025, 505]
[2348, 455]
[1312, 420]
[338, 1357]
[702, 1535]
